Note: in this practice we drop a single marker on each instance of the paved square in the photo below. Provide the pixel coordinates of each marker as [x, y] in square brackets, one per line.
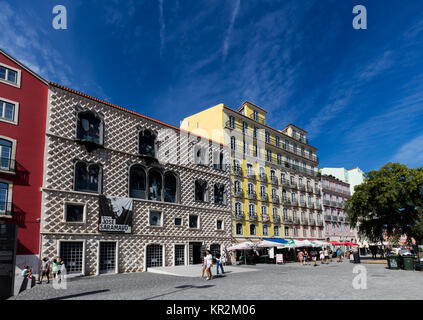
[258, 282]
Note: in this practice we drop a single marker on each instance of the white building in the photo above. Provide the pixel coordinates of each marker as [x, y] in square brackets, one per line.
[353, 177]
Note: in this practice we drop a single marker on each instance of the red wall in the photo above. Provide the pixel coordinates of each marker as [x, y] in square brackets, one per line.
[30, 137]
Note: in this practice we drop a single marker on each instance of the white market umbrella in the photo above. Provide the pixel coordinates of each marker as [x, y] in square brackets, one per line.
[267, 244]
[243, 246]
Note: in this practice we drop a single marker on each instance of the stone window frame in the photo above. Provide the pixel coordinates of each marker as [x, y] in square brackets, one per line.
[163, 253]
[242, 229]
[180, 225]
[267, 230]
[235, 206]
[223, 225]
[18, 76]
[80, 110]
[198, 221]
[9, 195]
[84, 251]
[12, 155]
[161, 218]
[156, 142]
[116, 241]
[15, 120]
[100, 178]
[224, 200]
[84, 213]
[255, 229]
[274, 233]
[206, 191]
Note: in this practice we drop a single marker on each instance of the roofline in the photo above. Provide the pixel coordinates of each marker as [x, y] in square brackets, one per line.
[265, 125]
[291, 124]
[335, 178]
[128, 111]
[246, 101]
[23, 66]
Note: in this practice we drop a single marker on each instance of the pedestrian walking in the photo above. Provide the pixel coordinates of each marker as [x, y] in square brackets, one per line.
[322, 256]
[339, 254]
[203, 266]
[219, 263]
[314, 257]
[209, 264]
[330, 255]
[300, 256]
[326, 252]
[351, 256]
[306, 256]
[44, 270]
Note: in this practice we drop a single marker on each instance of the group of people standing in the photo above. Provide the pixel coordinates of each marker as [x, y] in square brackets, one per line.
[55, 268]
[208, 264]
[324, 255]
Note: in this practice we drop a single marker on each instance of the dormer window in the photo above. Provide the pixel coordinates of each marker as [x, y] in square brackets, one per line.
[90, 127]
[147, 143]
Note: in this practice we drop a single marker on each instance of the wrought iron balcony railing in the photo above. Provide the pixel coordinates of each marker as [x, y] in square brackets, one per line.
[264, 197]
[238, 193]
[275, 199]
[252, 195]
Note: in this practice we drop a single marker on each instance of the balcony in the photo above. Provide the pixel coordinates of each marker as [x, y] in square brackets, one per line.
[302, 187]
[275, 199]
[304, 221]
[293, 184]
[335, 219]
[265, 218]
[309, 189]
[286, 201]
[6, 209]
[320, 223]
[310, 205]
[287, 220]
[316, 191]
[251, 175]
[237, 171]
[274, 180]
[312, 222]
[302, 204]
[252, 215]
[276, 218]
[239, 215]
[285, 183]
[264, 197]
[7, 164]
[294, 203]
[238, 193]
[328, 218]
[230, 124]
[296, 220]
[341, 219]
[252, 195]
[326, 202]
[263, 177]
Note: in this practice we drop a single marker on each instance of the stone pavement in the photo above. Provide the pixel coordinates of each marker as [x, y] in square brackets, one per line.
[192, 271]
[270, 282]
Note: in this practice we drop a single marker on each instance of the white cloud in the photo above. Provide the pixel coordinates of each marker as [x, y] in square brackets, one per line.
[230, 29]
[411, 153]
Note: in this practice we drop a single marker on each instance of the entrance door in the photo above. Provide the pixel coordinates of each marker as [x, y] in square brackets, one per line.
[107, 257]
[214, 249]
[154, 255]
[196, 250]
[8, 235]
[72, 253]
[179, 255]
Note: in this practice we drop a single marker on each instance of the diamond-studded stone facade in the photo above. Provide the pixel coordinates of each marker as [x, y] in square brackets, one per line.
[119, 151]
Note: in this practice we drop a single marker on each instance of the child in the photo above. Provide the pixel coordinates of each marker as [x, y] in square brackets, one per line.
[25, 271]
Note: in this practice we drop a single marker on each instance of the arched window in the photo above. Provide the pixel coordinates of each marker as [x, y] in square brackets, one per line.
[154, 185]
[200, 155]
[87, 177]
[233, 143]
[252, 229]
[200, 190]
[237, 186]
[147, 143]
[89, 127]
[171, 187]
[238, 208]
[218, 160]
[276, 231]
[137, 182]
[239, 228]
[219, 191]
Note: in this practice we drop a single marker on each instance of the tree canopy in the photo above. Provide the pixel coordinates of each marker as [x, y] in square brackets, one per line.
[390, 201]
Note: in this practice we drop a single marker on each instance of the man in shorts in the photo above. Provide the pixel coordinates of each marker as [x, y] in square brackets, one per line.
[44, 270]
[314, 257]
[326, 253]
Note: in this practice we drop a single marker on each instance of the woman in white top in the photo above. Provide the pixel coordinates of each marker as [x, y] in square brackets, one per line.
[209, 264]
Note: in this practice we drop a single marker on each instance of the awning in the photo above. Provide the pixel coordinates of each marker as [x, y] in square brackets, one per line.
[243, 246]
[278, 240]
[267, 244]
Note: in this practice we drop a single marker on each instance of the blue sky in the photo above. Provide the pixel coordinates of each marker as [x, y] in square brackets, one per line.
[359, 93]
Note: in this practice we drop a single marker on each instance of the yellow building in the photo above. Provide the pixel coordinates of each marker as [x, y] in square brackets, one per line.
[275, 183]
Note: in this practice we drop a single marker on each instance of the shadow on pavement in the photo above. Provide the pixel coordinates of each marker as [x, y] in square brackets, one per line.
[80, 294]
[182, 288]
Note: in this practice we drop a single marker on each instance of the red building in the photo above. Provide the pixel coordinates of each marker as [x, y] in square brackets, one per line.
[23, 105]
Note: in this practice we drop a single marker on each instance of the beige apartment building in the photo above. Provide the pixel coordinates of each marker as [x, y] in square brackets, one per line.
[276, 189]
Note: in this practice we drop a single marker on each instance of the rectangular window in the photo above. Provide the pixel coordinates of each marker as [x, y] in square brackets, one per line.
[155, 218]
[286, 231]
[219, 225]
[193, 221]
[178, 221]
[7, 110]
[9, 75]
[74, 212]
[4, 195]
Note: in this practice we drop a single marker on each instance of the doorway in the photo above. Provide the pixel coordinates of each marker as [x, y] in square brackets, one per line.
[195, 252]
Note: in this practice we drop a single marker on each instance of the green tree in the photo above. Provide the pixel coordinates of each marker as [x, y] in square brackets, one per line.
[390, 200]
